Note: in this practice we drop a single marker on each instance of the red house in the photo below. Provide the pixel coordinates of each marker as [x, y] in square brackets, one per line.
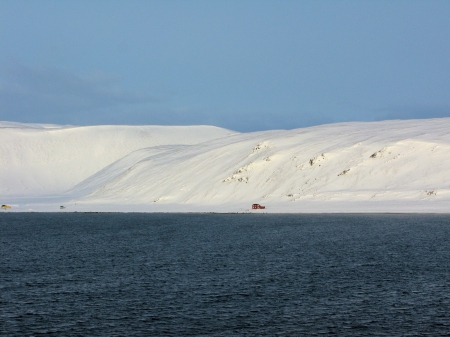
[258, 206]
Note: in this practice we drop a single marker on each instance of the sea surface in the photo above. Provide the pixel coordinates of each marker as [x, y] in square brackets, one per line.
[73, 274]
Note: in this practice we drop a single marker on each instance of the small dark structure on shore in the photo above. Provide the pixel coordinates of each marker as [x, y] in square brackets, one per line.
[258, 206]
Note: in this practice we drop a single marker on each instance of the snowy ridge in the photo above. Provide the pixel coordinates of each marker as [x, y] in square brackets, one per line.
[395, 166]
[40, 160]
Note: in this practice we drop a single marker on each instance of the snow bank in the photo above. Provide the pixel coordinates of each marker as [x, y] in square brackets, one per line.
[389, 166]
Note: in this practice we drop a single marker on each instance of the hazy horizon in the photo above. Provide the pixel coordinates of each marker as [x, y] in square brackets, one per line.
[241, 65]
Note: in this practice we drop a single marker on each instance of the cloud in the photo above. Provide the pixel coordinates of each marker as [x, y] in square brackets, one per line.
[43, 94]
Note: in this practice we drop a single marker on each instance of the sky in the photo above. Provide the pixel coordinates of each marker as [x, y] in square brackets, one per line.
[243, 65]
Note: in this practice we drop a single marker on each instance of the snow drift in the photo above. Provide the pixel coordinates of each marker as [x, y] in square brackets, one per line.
[399, 166]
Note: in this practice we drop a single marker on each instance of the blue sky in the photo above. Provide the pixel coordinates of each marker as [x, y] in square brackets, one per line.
[242, 65]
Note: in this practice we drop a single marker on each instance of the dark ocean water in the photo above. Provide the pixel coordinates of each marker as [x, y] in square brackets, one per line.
[224, 275]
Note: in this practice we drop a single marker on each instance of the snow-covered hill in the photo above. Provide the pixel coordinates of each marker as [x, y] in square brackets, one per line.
[391, 166]
[50, 159]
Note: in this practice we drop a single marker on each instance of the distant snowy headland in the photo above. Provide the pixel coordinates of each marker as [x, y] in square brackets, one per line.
[388, 166]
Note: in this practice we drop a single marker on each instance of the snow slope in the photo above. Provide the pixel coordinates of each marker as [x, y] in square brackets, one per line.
[49, 159]
[395, 166]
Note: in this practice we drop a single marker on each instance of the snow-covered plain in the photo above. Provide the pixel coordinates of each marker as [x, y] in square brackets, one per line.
[388, 166]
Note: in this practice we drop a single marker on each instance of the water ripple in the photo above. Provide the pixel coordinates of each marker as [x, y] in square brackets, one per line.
[224, 275]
